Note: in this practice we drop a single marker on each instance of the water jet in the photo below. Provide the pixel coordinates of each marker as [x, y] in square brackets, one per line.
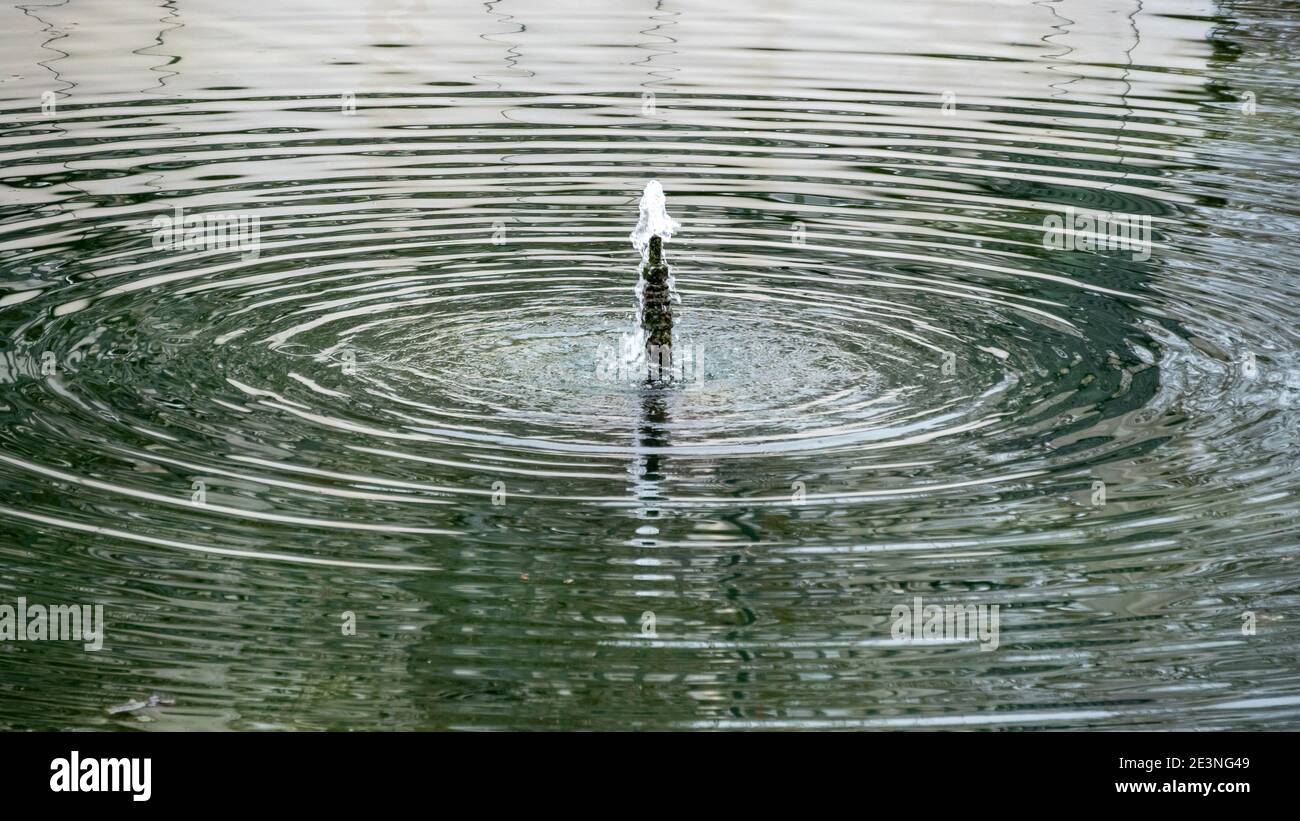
[654, 287]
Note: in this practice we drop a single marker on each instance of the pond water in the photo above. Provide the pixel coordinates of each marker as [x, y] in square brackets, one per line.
[982, 304]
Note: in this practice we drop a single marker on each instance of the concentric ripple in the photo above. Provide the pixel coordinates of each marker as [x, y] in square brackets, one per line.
[406, 402]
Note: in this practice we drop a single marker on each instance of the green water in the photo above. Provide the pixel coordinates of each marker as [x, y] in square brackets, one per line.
[394, 409]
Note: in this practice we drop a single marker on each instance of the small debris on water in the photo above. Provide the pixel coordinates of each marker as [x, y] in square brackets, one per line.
[154, 700]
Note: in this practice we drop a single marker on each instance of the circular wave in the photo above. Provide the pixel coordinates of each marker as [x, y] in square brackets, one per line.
[401, 383]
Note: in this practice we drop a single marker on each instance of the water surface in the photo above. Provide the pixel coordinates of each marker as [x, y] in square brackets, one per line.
[400, 406]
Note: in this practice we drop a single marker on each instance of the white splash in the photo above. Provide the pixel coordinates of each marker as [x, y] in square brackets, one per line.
[654, 219]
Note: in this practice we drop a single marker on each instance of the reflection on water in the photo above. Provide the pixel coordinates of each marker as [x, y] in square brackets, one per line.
[393, 414]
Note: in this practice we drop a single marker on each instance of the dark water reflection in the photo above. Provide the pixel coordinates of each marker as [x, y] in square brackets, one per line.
[395, 406]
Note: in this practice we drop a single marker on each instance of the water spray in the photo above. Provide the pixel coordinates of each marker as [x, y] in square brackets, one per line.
[655, 314]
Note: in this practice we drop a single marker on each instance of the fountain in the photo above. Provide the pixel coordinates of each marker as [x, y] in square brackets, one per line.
[654, 288]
